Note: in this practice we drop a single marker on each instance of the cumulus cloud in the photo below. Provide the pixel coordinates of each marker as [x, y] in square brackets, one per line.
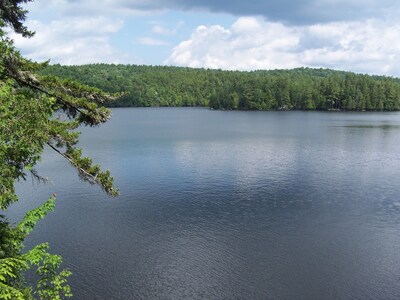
[73, 41]
[354, 35]
[369, 46]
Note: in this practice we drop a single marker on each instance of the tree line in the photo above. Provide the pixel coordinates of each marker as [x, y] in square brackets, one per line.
[296, 89]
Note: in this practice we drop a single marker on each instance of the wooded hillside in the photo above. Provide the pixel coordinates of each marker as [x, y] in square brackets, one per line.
[301, 89]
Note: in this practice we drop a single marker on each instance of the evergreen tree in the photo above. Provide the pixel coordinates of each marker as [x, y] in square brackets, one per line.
[28, 102]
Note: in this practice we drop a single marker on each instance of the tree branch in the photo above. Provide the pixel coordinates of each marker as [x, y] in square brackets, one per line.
[93, 179]
[23, 82]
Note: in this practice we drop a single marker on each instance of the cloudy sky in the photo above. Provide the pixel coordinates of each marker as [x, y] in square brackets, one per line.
[355, 35]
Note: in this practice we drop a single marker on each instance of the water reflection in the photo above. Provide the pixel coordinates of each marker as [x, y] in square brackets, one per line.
[231, 205]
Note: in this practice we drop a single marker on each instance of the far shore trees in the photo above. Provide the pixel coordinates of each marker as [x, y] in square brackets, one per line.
[296, 89]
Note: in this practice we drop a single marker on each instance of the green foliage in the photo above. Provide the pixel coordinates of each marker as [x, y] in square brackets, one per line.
[52, 283]
[28, 103]
[301, 89]
[38, 111]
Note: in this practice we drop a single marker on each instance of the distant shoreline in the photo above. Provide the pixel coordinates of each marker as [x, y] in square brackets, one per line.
[255, 110]
[295, 89]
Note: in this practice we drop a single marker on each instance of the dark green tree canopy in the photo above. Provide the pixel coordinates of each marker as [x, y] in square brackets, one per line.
[13, 15]
[296, 89]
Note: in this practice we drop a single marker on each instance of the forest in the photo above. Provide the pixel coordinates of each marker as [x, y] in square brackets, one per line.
[296, 89]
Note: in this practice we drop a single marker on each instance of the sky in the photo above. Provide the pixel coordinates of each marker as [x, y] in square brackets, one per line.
[362, 36]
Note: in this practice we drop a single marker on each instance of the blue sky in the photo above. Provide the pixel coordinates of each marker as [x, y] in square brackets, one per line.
[354, 35]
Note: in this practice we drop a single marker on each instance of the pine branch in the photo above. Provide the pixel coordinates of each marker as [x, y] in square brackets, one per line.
[81, 170]
[35, 87]
[96, 177]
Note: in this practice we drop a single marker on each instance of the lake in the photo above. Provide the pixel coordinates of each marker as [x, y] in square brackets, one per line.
[229, 205]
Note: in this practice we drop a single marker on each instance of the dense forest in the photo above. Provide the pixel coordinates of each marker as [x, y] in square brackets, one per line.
[296, 89]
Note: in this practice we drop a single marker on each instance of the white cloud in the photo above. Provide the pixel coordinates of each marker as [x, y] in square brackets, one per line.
[73, 41]
[164, 30]
[68, 33]
[250, 43]
[148, 41]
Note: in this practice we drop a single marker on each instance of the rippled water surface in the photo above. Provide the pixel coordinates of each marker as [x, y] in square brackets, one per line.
[230, 205]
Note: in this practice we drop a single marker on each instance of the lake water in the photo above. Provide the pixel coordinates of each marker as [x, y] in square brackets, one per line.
[230, 205]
